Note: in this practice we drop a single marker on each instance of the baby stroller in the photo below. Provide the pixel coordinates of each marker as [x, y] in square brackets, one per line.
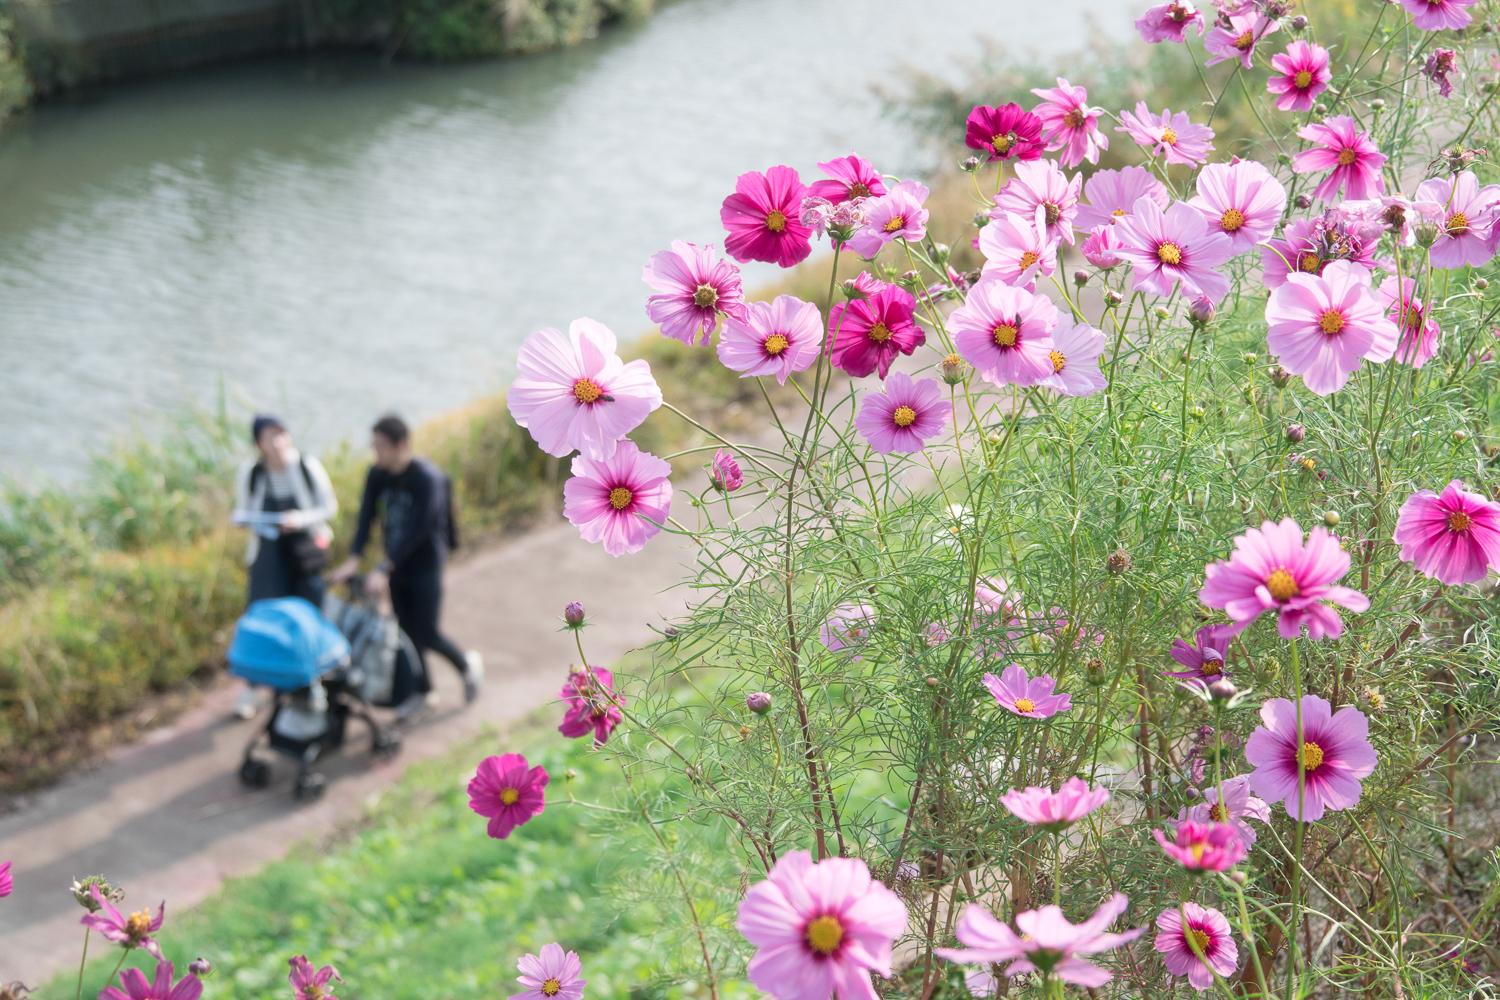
[387, 661]
[287, 645]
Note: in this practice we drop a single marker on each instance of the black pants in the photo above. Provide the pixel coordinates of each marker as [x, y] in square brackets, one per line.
[417, 600]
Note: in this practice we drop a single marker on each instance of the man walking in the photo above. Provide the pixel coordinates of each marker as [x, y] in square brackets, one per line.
[417, 529]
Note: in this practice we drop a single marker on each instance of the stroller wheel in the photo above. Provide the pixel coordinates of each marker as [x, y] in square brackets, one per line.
[255, 773]
[386, 744]
[310, 787]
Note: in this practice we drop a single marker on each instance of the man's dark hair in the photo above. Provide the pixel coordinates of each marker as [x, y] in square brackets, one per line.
[392, 428]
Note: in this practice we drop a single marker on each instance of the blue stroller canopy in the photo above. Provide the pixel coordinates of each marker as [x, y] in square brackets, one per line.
[285, 643]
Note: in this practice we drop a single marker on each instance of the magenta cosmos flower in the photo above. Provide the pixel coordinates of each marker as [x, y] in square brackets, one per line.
[1439, 15]
[1005, 333]
[1047, 941]
[1334, 754]
[1069, 124]
[1016, 249]
[1008, 132]
[508, 792]
[552, 974]
[1441, 66]
[725, 472]
[593, 706]
[1452, 537]
[1054, 810]
[694, 285]
[1273, 569]
[1173, 137]
[1165, 248]
[1468, 213]
[1076, 347]
[572, 391]
[1203, 847]
[1349, 155]
[134, 931]
[312, 984]
[1169, 22]
[764, 218]
[1204, 657]
[1321, 326]
[772, 338]
[898, 214]
[904, 415]
[1242, 200]
[621, 501]
[869, 333]
[1418, 330]
[1041, 184]
[850, 625]
[1238, 806]
[1027, 696]
[7, 884]
[1206, 934]
[820, 929]
[1112, 194]
[135, 986]
[849, 177]
[1101, 248]
[1299, 75]
[1235, 36]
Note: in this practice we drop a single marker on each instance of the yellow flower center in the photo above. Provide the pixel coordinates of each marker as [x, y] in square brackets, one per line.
[1331, 322]
[1312, 756]
[775, 344]
[1028, 258]
[1231, 220]
[858, 190]
[552, 987]
[1282, 585]
[897, 223]
[586, 390]
[1211, 668]
[1051, 212]
[138, 924]
[1075, 118]
[1218, 813]
[1002, 143]
[1347, 157]
[1458, 224]
[1169, 135]
[1118, 212]
[953, 360]
[1006, 334]
[904, 416]
[825, 934]
[1059, 360]
[1025, 705]
[313, 991]
[1169, 253]
[1198, 939]
[776, 221]
[1309, 263]
[1197, 849]
[619, 499]
[1245, 40]
[510, 796]
[1303, 79]
[880, 333]
[1459, 521]
[705, 296]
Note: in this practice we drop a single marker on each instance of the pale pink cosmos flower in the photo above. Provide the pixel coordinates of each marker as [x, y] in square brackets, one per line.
[1349, 155]
[572, 391]
[1054, 810]
[1173, 137]
[849, 177]
[1239, 805]
[1452, 537]
[1203, 847]
[849, 626]
[134, 931]
[1204, 657]
[1101, 248]
[1206, 933]
[551, 974]
[1333, 753]
[1005, 333]
[1274, 570]
[508, 792]
[1235, 36]
[1299, 75]
[1468, 214]
[135, 986]
[1169, 22]
[1030, 697]
[1310, 245]
[900, 213]
[309, 983]
[694, 285]
[772, 338]
[1069, 124]
[1112, 194]
[1042, 184]
[763, 217]
[1243, 200]
[1016, 249]
[869, 333]
[1165, 248]
[1076, 347]
[725, 472]
[1418, 330]
[1439, 15]
[620, 502]
[840, 220]
[820, 929]
[1047, 941]
[1323, 326]
[593, 705]
[904, 415]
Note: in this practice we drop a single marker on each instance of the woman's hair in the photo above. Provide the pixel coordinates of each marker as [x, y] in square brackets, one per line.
[262, 423]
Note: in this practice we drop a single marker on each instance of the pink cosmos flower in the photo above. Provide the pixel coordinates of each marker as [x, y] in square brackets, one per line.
[1205, 660]
[1468, 214]
[593, 706]
[1101, 248]
[134, 931]
[1322, 326]
[1069, 124]
[851, 177]
[1418, 330]
[1041, 184]
[160, 987]
[572, 391]
[1076, 347]
[1027, 696]
[764, 218]
[870, 332]
[1299, 75]
[1310, 245]
[1005, 333]
[1206, 933]
[1242, 200]
[7, 884]
[1273, 569]
[902, 417]
[898, 214]
[1203, 847]
[1351, 157]
[1054, 810]
[508, 792]
[1173, 137]
[1165, 248]
[1016, 249]
[1112, 194]
[725, 472]
[308, 984]
[1439, 15]
[772, 338]
[1235, 37]
[1008, 132]
[1169, 22]
[694, 285]
[620, 501]
[1047, 941]
[1238, 805]
[848, 626]
[1453, 537]
[1334, 754]
[553, 974]
[820, 929]
[1440, 66]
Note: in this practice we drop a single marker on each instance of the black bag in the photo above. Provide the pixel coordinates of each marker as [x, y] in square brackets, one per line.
[310, 558]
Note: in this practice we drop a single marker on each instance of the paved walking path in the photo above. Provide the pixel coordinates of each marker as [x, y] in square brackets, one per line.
[167, 817]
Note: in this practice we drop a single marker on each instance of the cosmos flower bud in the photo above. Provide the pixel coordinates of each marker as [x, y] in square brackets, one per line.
[1480, 284]
[1303, 202]
[573, 615]
[1460, 436]
[1280, 377]
[969, 164]
[1201, 311]
[1299, 23]
[1080, 278]
[1118, 562]
[758, 702]
[1295, 433]
[932, 682]
[851, 289]
[1162, 313]
[81, 890]
[1093, 670]
[941, 252]
[1112, 298]
[1222, 689]
[910, 280]
[201, 967]
[1377, 105]
[981, 219]
[1250, 357]
[1374, 699]
[1426, 232]
[1331, 518]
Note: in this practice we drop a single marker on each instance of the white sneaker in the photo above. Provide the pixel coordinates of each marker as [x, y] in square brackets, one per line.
[247, 704]
[473, 676]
